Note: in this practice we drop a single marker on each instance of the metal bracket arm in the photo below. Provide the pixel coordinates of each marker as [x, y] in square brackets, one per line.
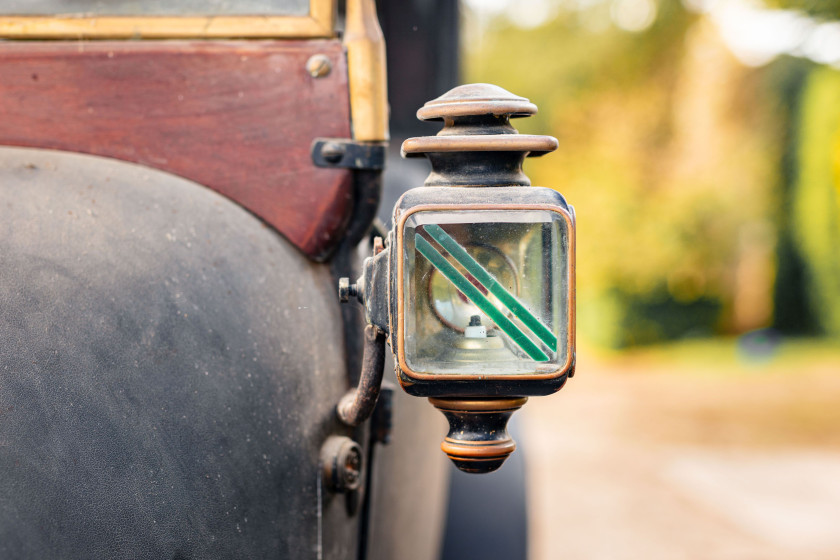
[357, 405]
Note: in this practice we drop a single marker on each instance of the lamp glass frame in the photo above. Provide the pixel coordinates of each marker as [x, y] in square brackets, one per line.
[569, 342]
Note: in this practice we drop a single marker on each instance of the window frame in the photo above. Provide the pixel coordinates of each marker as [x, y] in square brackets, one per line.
[319, 23]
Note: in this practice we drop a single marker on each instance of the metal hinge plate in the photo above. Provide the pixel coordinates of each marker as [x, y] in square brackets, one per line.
[348, 154]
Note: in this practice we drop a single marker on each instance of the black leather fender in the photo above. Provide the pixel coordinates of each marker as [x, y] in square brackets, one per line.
[168, 371]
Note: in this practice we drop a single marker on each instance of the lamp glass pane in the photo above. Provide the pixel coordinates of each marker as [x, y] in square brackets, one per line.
[485, 292]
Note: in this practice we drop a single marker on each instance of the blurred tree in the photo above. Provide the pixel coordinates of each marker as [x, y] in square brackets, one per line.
[809, 251]
[816, 196]
[665, 153]
[793, 313]
[824, 9]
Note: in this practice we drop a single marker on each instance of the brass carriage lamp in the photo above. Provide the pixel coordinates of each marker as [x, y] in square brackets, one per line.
[476, 285]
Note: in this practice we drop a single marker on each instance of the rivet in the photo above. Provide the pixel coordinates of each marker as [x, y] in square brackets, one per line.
[341, 461]
[318, 66]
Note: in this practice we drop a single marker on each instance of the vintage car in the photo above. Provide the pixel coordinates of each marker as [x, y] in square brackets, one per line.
[187, 190]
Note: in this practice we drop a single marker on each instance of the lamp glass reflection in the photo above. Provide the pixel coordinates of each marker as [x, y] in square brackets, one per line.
[485, 291]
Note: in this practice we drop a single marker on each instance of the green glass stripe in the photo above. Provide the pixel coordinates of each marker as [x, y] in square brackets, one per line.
[474, 294]
[486, 279]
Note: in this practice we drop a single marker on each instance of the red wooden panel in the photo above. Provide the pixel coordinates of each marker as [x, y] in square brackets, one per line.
[236, 116]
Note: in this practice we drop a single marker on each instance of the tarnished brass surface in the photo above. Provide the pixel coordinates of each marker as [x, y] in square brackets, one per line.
[478, 440]
[479, 405]
[476, 99]
[319, 23]
[477, 145]
[477, 451]
[367, 72]
[532, 144]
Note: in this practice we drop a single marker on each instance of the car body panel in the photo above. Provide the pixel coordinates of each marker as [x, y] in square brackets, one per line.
[236, 116]
[169, 368]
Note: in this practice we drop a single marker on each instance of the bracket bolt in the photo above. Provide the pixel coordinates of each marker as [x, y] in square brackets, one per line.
[346, 290]
[341, 460]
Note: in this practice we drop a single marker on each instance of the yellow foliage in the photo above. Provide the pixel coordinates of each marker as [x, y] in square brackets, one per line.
[667, 157]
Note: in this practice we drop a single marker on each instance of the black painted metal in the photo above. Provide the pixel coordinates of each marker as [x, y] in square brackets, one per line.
[477, 146]
[382, 420]
[466, 428]
[358, 404]
[374, 287]
[168, 372]
[423, 41]
[348, 154]
[423, 62]
[473, 169]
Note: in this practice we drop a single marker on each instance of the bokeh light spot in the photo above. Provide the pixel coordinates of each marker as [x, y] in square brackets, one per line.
[633, 15]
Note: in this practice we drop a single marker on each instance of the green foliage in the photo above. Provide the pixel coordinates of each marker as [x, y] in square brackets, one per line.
[624, 319]
[824, 9]
[792, 313]
[816, 208]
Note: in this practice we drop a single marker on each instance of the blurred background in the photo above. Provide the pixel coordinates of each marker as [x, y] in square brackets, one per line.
[700, 146]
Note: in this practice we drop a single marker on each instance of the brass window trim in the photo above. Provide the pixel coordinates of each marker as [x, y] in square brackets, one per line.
[319, 23]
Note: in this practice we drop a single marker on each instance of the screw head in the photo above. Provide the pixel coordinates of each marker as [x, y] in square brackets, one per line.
[332, 152]
[344, 290]
[318, 66]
